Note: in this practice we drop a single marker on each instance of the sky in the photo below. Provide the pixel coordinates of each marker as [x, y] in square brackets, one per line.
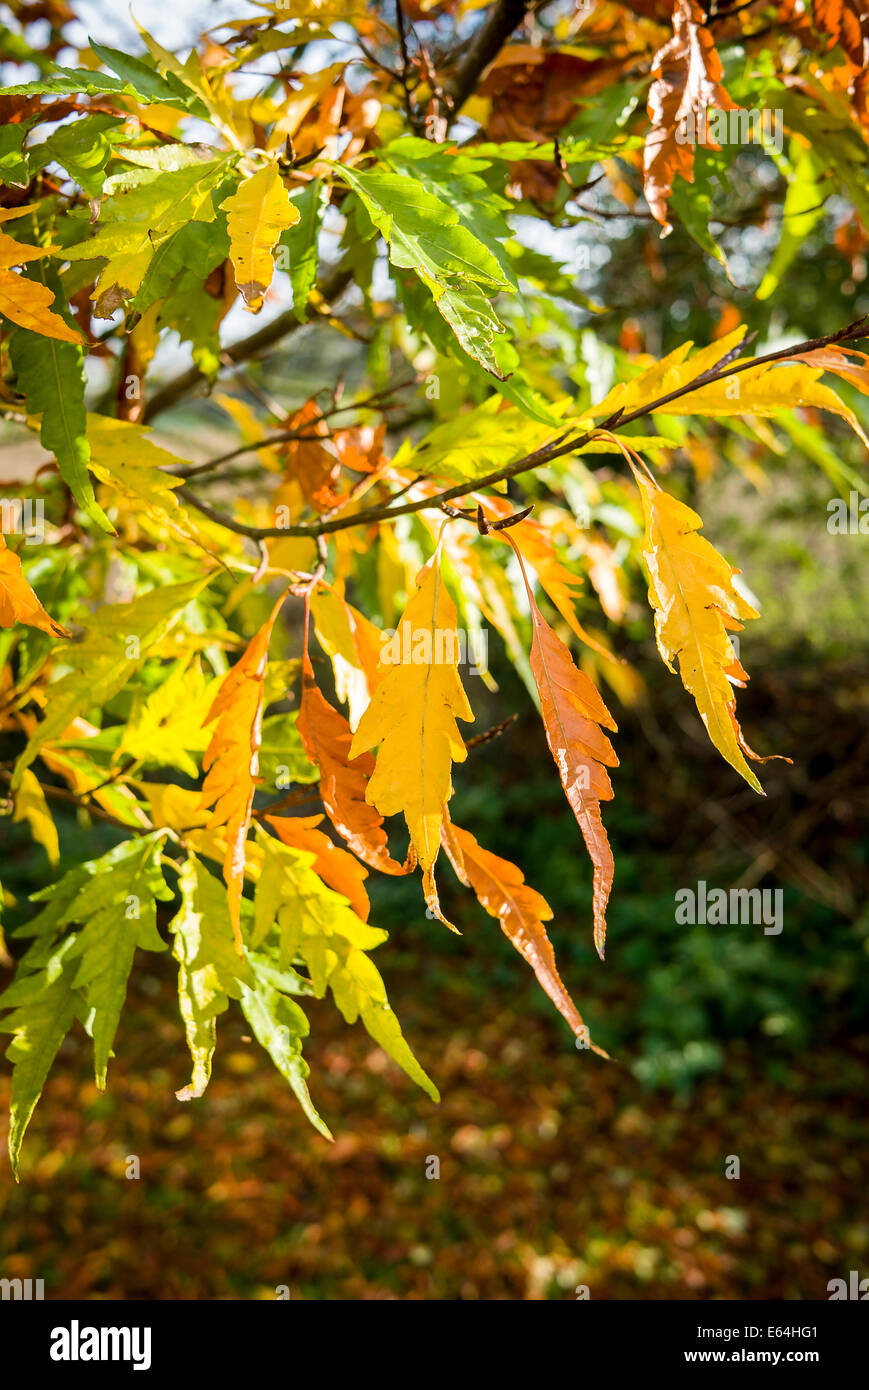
[173, 23]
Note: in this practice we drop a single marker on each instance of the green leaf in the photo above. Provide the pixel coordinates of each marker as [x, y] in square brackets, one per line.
[14, 163]
[300, 242]
[211, 973]
[118, 640]
[208, 966]
[83, 148]
[50, 374]
[143, 76]
[323, 929]
[45, 1005]
[138, 81]
[426, 235]
[141, 207]
[458, 180]
[693, 202]
[194, 252]
[802, 210]
[279, 1025]
[117, 910]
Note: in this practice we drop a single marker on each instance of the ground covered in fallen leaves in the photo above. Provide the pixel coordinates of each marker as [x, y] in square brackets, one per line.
[556, 1169]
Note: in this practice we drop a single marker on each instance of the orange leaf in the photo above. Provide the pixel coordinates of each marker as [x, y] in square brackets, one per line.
[503, 892]
[686, 84]
[326, 736]
[309, 462]
[573, 714]
[847, 23]
[334, 865]
[838, 360]
[232, 759]
[18, 602]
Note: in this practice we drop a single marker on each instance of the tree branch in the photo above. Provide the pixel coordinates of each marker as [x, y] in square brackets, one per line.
[565, 444]
[486, 44]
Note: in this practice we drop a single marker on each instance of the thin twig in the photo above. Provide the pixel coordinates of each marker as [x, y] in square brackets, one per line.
[565, 444]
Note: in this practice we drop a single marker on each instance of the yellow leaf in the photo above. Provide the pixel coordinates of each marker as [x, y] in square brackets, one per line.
[696, 602]
[352, 643]
[413, 715]
[256, 214]
[761, 390]
[166, 727]
[31, 805]
[172, 806]
[26, 302]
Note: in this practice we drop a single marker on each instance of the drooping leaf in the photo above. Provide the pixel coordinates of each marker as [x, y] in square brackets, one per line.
[503, 892]
[209, 968]
[686, 85]
[117, 912]
[327, 739]
[412, 716]
[319, 925]
[574, 717]
[44, 1007]
[696, 603]
[231, 758]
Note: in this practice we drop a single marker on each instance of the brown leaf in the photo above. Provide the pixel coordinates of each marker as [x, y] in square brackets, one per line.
[686, 74]
[310, 462]
[503, 892]
[573, 714]
[326, 736]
